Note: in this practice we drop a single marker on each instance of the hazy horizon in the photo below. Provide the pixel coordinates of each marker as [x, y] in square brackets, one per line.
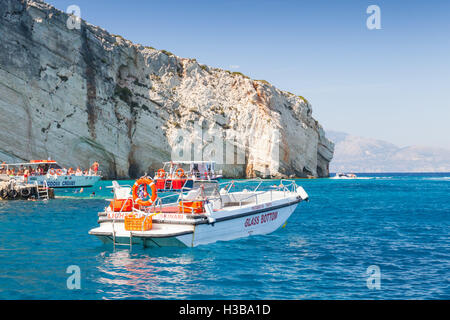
[390, 84]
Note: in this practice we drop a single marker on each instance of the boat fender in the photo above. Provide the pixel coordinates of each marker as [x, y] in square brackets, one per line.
[25, 192]
[302, 193]
[12, 194]
[4, 193]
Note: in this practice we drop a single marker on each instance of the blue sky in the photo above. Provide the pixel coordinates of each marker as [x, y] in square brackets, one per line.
[391, 84]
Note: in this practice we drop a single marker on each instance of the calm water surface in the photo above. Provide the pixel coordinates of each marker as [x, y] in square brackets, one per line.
[398, 222]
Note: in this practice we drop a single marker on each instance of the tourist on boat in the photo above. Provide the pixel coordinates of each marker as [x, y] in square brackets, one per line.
[94, 167]
[172, 170]
[79, 172]
[26, 173]
[195, 170]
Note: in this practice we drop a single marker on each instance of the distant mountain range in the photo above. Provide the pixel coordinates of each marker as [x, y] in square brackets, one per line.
[358, 154]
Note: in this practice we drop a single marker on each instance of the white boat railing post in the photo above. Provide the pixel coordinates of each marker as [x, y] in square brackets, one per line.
[37, 189]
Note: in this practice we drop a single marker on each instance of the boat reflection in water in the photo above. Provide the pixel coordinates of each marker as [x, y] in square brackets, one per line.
[131, 275]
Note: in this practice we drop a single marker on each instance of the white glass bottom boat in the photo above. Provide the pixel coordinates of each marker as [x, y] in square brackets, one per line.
[219, 216]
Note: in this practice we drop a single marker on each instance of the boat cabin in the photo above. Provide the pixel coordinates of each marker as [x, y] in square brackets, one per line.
[178, 175]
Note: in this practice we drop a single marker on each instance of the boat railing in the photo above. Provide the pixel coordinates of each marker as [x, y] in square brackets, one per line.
[187, 175]
[290, 187]
[229, 185]
[255, 195]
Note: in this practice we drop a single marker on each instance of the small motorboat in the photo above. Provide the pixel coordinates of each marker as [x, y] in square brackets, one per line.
[202, 215]
[345, 175]
[181, 175]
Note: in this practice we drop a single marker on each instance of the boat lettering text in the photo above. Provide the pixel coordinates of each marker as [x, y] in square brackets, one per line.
[261, 206]
[171, 216]
[263, 218]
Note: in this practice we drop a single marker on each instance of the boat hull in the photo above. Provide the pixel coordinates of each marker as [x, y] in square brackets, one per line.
[65, 181]
[261, 223]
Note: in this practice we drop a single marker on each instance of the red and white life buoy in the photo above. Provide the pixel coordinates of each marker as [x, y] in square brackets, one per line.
[146, 182]
[180, 172]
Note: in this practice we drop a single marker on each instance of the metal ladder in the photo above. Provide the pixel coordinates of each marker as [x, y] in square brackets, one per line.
[42, 191]
[114, 236]
[121, 244]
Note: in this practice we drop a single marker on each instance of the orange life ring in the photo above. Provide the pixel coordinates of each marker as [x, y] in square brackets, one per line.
[179, 175]
[52, 172]
[161, 173]
[59, 172]
[146, 182]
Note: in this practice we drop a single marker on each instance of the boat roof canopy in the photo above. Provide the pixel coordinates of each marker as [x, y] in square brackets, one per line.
[32, 162]
[188, 162]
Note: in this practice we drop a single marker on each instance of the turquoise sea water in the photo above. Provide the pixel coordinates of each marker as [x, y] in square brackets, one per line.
[398, 222]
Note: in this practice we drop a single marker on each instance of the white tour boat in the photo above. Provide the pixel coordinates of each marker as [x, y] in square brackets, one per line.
[200, 216]
[49, 173]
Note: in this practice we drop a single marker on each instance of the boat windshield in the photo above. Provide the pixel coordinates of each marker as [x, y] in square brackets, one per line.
[210, 188]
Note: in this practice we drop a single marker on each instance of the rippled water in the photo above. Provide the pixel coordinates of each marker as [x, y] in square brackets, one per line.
[397, 222]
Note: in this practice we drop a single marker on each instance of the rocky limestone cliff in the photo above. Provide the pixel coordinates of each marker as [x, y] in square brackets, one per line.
[79, 95]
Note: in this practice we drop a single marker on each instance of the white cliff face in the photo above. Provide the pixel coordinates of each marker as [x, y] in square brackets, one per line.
[84, 95]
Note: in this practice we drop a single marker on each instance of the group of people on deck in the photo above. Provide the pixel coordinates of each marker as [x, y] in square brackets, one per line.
[195, 171]
[43, 169]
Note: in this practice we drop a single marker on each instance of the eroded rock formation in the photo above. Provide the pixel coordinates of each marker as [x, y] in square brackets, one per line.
[79, 95]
